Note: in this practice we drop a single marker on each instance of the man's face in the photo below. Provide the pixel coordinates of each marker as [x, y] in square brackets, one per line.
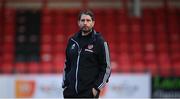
[86, 23]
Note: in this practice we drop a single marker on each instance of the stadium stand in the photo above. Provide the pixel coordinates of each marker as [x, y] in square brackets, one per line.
[149, 43]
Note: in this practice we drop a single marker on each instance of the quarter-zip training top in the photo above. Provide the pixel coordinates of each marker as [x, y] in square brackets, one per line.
[87, 62]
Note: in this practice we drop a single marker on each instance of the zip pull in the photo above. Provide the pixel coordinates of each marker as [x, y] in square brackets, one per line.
[79, 51]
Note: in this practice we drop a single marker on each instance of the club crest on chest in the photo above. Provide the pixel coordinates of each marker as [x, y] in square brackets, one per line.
[73, 46]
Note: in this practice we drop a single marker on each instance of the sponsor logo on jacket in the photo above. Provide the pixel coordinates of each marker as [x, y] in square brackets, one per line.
[89, 48]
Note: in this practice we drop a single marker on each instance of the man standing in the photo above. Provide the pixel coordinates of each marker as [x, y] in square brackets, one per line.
[87, 66]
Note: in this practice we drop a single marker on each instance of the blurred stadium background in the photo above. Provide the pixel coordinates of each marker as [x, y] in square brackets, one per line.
[143, 36]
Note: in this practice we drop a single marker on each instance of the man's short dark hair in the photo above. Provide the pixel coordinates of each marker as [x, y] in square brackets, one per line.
[86, 12]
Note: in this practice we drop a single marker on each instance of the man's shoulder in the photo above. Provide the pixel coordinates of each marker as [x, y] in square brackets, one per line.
[99, 37]
[74, 35]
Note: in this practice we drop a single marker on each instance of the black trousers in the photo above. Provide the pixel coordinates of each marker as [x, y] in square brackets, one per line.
[68, 93]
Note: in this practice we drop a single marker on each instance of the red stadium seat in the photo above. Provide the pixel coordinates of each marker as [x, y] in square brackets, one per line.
[123, 47]
[9, 29]
[7, 57]
[59, 47]
[136, 47]
[7, 68]
[124, 63]
[139, 67]
[7, 47]
[114, 66]
[21, 67]
[58, 63]
[165, 64]
[138, 64]
[34, 68]
[46, 47]
[46, 29]
[46, 57]
[153, 68]
[176, 68]
[46, 67]
[47, 19]
[151, 63]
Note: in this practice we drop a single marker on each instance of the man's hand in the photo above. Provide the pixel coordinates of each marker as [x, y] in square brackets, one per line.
[94, 91]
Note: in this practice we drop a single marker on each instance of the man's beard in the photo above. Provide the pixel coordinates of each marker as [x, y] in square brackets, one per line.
[86, 30]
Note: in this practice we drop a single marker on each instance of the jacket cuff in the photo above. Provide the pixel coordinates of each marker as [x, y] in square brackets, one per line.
[63, 85]
[97, 89]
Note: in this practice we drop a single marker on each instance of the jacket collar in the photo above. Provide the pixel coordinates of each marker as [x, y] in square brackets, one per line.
[78, 34]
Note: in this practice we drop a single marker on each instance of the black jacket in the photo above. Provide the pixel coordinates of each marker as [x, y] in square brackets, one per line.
[87, 63]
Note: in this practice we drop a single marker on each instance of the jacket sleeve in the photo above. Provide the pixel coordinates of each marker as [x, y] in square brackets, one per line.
[104, 66]
[66, 67]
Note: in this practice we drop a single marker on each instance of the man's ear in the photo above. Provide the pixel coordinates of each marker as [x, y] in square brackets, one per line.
[93, 22]
[78, 22]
